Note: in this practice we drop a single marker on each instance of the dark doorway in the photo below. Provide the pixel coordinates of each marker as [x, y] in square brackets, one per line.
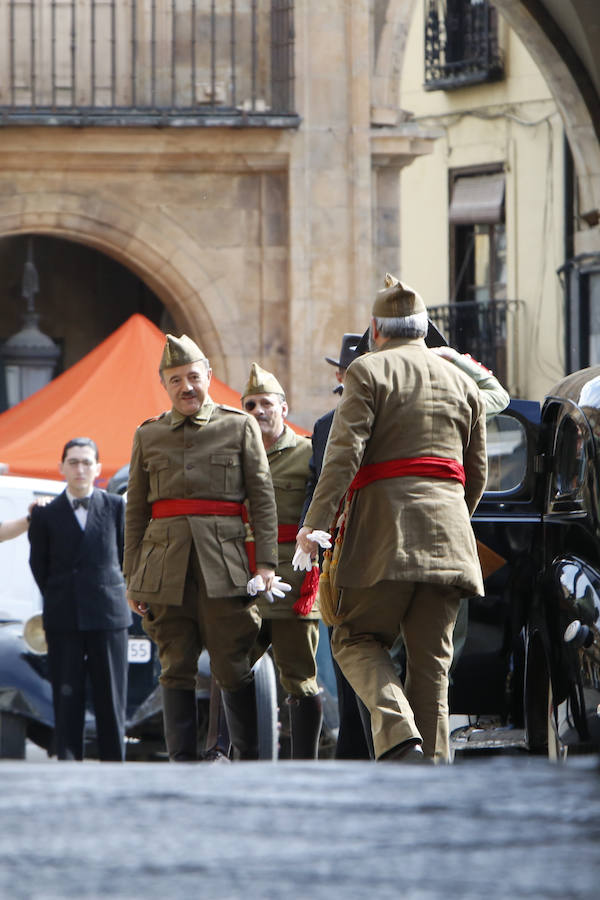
[84, 295]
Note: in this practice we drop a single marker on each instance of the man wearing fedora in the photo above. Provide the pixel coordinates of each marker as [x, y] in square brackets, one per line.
[408, 443]
[291, 624]
[188, 557]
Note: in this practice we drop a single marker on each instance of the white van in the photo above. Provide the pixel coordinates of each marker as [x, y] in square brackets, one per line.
[19, 595]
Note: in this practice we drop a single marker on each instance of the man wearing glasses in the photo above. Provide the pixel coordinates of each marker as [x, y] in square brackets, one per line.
[76, 557]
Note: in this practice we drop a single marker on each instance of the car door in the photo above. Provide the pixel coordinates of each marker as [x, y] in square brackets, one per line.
[488, 678]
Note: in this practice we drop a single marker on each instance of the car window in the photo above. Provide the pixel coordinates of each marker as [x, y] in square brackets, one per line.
[568, 469]
[506, 452]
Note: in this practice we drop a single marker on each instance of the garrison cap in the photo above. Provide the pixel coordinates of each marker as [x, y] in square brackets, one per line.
[180, 351]
[396, 300]
[261, 382]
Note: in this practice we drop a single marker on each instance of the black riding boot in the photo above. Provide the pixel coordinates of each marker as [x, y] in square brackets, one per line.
[218, 745]
[180, 717]
[306, 717]
[240, 712]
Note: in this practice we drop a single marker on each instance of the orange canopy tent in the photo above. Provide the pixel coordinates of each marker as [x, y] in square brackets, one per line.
[105, 396]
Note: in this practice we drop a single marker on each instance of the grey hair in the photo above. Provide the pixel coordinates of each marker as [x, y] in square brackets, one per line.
[414, 326]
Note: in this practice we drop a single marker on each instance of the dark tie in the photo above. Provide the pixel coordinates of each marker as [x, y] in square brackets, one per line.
[83, 501]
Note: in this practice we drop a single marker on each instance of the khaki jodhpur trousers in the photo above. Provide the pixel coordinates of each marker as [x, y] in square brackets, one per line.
[294, 643]
[373, 618]
[226, 626]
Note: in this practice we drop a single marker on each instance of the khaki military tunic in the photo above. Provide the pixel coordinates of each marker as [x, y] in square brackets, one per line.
[404, 401]
[192, 571]
[219, 455]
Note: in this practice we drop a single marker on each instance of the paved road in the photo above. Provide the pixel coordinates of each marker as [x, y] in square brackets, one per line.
[501, 827]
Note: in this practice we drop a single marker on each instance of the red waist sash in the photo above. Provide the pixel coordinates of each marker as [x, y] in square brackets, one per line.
[427, 466]
[162, 509]
[286, 534]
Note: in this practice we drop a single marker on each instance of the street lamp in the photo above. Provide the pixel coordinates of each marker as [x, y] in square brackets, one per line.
[29, 356]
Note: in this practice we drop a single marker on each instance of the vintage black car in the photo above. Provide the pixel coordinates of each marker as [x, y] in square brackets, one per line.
[529, 675]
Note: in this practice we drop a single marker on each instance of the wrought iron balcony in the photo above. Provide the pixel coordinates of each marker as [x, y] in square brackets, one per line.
[461, 44]
[488, 330]
[147, 62]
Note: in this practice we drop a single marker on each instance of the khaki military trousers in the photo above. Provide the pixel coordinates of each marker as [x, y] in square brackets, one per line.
[294, 642]
[424, 614]
[226, 626]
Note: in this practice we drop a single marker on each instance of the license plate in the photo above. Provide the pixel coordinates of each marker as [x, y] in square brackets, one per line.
[139, 650]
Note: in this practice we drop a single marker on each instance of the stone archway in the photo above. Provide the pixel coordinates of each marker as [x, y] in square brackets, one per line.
[577, 99]
[159, 253]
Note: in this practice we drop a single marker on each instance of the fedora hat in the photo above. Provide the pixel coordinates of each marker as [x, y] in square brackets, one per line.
[348, 352]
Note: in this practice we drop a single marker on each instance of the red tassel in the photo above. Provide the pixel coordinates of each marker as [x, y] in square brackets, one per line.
[251, 554]
[308, 592]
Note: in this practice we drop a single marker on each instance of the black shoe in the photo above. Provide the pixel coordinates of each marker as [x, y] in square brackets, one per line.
[410, 751]
[214, 755]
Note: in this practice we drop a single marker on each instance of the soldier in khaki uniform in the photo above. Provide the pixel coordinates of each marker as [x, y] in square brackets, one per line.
[290, 625]
[186, 560]
[408, 439]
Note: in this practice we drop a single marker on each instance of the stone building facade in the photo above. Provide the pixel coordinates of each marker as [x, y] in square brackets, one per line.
[242, 160]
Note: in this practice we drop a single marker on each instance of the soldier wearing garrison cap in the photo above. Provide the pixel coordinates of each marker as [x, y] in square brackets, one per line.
[407, 448]
[195, 472]
[290, 625]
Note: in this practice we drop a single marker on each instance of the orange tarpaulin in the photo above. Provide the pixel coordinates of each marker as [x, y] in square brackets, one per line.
[105, 396]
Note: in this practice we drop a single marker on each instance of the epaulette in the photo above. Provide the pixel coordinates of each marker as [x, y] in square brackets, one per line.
[153, 419]
[231, 408]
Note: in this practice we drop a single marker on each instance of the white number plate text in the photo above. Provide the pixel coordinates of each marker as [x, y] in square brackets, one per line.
[138, 650]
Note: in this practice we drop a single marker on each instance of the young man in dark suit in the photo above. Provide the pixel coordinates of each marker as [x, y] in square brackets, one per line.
[76, 557]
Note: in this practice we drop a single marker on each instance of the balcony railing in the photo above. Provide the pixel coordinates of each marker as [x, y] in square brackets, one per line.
[488, 330]
[147, 62]
[461, 44]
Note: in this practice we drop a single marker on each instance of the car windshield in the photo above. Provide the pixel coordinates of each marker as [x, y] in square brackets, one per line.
[506, 452]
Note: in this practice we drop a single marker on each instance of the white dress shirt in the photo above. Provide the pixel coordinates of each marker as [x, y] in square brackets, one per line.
[80, 513]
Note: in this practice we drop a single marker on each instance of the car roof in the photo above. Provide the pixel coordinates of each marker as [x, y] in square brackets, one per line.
[33, 485]
[570, 386]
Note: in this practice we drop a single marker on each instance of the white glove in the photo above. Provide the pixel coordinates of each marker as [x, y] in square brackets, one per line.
[255, 586]
[322, 538]
[302, 559]
[279, 588]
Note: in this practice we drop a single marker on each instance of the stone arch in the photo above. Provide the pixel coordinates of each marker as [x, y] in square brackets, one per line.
[156, 249]
[391, 21]
[572, 89]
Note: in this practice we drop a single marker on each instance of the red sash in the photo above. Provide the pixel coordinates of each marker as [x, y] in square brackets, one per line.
[427, 466]
[162, 509]
[286, 534]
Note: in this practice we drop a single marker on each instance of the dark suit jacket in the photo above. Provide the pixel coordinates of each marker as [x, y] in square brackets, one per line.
[79, 572]
[320, 434]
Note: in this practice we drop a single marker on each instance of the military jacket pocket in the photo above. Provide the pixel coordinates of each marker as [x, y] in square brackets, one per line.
[231, 541]
[157, 474]
[226, 473]
[289, 496]
[149, 573]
